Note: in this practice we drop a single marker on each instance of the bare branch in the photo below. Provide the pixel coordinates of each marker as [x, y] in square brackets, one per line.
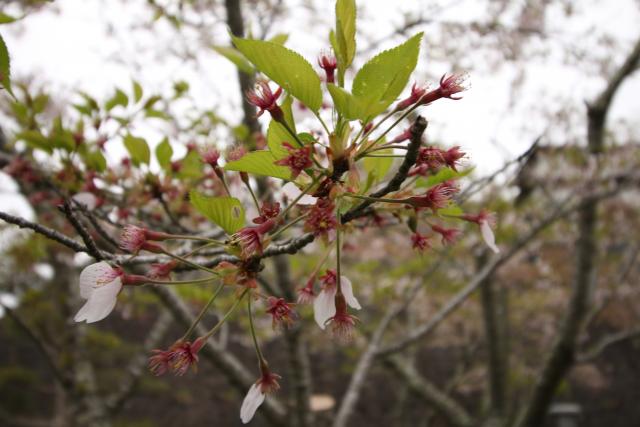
[455, 413]
[94, 251]
[137, 366]
[351, 396]
[49, 233]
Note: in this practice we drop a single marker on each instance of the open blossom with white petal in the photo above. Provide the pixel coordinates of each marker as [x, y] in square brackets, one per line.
[486, 221]
[100, 285]
[251, 403]
[268, 383]
[324, 306]
[488, 237]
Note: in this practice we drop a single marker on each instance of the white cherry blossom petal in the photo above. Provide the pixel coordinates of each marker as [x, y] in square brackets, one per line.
[101, 302]
[292, 191]
[324, 306]
[87, 199]
[347, 291]
[93, 274]
[487, 235]
[251, 403]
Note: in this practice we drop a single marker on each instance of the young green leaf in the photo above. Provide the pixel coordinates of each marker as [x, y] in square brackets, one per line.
[444, 174]
[138, 149]
[5, 67]
[345, 35]
[95, 160]
[191, 166]
[280, 38]
[226, 212]
[236, 58]
[6, 19]
[276, 135]
[285, 67]
[119, 98]
[137, 91]
[381, 80]
[349, 107]
[259, 163]
[164, 153]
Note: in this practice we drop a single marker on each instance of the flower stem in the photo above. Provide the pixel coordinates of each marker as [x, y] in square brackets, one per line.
[182, 282]
[226, 316]
[338, 250]
[253, 196]
[192, 264]
[202, 312]
[322, 123]
[200, 239]
[288, 225]
[253, 333]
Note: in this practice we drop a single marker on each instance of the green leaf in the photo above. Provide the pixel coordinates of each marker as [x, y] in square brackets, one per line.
[137, 91]
[280, 38]
[164, 153]
[119, 98]
[285, 67]
[35, 139]
[444, 174]
[259, 163]
[236, 58]
[349, 107]
[276, 135]
[226, 212]
[345, 35]
[377, 167]
[95, 160]
[381, 80]
[452, 209]
[191, 166]
[7, 19]
[156, 114]
[5, 67]
[138, 149]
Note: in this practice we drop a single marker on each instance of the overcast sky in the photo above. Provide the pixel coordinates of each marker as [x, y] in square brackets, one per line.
[89, 45]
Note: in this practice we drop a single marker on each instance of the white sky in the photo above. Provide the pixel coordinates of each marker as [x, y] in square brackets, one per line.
[70, 48]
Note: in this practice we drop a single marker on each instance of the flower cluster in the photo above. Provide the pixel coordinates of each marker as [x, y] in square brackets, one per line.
[431, 159]
[281, 312]
[321, 220]
[328, 63]
[181, 356]
[250, 239]
[267, 211]
[437, 197]
[266, 100]
[298, 159]
[134, 239]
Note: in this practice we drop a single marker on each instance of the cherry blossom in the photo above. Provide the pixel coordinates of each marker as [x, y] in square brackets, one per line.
[100, 285]
[324, 306]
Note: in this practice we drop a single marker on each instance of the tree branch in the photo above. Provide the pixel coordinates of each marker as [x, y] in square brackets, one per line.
[417, 129]
[455, 413]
